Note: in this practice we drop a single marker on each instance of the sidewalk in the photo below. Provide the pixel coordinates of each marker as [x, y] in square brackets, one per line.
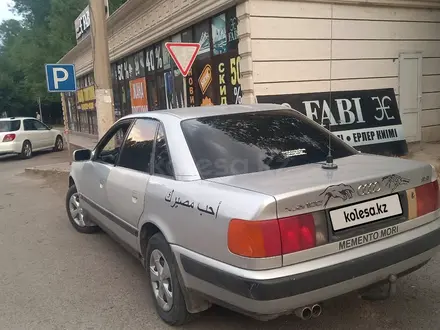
[425, 152]
[77, 141]
[82, 141]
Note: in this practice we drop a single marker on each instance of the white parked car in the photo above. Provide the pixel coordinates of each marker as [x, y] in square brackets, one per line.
[22, 136]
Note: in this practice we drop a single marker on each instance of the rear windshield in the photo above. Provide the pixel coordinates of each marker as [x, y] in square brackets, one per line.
[242, 143]
[9, 126]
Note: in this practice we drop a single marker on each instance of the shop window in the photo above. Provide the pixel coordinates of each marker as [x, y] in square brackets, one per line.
[153, 103]
[161, 90]
[204, 91]
[150, 70]
[139, 65]
[116, 91]
[93, 122]
[84, 123]
[150, 63]
[120, 71]
[158, 84]
[231, 29]
[226, 73]
[166, 57]
[88, 81]
[159, 99]
[131, 73]
[158, 57]
[219, 37]
[124, 89]
[137, 89]
[187, 36]
[169, 89]
[202, 35]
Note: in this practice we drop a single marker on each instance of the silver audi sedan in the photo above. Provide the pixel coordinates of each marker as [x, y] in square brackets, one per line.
[253, 207]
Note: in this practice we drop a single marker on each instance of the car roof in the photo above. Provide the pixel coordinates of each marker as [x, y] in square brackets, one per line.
[208, 111]
[15, 118]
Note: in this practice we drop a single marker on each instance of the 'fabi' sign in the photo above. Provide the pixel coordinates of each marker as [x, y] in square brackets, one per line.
[369, 120]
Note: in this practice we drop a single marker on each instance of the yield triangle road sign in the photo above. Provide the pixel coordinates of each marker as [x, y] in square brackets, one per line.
[184, 54]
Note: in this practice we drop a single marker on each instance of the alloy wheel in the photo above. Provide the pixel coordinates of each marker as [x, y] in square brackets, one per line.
[161, 280]
[60, 144]
[76, 210]
[27, 150]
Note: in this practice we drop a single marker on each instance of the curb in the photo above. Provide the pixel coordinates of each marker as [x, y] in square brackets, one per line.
[40, 171]
[52, 170]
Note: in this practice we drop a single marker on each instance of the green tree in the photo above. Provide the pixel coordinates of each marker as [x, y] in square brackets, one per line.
[34, 12]
[43, 35]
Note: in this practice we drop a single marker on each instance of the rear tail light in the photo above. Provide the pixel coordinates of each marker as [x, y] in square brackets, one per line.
[9, 138]
[297, 233]
[254, 239]
[269, 238]
[427, 198]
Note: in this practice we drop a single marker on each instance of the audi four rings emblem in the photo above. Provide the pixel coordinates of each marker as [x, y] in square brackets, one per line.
[369, 188]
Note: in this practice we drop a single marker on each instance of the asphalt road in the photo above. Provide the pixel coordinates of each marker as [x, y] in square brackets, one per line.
[54, 278]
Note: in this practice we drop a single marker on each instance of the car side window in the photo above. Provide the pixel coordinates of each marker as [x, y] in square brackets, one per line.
[162, 159]
[138, 148]
[28, 125]
[39, 126]
[34, 125]
[111, 148]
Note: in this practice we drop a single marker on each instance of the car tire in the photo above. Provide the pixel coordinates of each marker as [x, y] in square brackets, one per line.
[176, 313]
[76, 214]
[59, 144]
[26, 150]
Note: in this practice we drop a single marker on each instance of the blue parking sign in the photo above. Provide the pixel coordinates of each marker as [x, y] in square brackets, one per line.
[60, 77]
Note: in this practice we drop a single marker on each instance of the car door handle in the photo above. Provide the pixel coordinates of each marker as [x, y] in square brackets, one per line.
[134, 196]
[101, 184]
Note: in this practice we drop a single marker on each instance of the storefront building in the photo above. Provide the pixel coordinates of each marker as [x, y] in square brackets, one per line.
[273, 51]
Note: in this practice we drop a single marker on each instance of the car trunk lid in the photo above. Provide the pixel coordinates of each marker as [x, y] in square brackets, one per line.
[361, 184]
[310, 188]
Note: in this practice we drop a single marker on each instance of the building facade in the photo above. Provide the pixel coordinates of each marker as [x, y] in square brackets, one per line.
[264, 50]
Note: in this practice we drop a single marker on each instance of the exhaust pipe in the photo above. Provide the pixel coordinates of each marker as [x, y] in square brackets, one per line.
[304, 313]
[316, 310]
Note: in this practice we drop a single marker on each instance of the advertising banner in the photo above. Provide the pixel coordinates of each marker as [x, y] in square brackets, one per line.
[86, 98]
[227, 78]
[368, 120]
[138, 94]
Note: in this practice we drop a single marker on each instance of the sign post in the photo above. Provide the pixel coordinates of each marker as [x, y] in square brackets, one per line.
[183, 54]
[64, 105]
[61, 78]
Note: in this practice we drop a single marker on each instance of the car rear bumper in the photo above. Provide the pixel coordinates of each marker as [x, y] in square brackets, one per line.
[7, 148]
[261, 295]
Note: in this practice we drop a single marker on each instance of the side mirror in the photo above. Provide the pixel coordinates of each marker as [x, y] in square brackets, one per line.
[82, 155]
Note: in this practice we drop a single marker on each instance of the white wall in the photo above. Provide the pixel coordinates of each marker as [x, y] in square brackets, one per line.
[291, 50]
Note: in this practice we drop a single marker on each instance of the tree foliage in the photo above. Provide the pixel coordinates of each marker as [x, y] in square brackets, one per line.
[44, 34]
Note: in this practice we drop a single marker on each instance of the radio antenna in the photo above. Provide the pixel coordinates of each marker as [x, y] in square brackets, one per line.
[329, 164]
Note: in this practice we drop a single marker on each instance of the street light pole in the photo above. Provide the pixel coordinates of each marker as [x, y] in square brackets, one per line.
[103, 85]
